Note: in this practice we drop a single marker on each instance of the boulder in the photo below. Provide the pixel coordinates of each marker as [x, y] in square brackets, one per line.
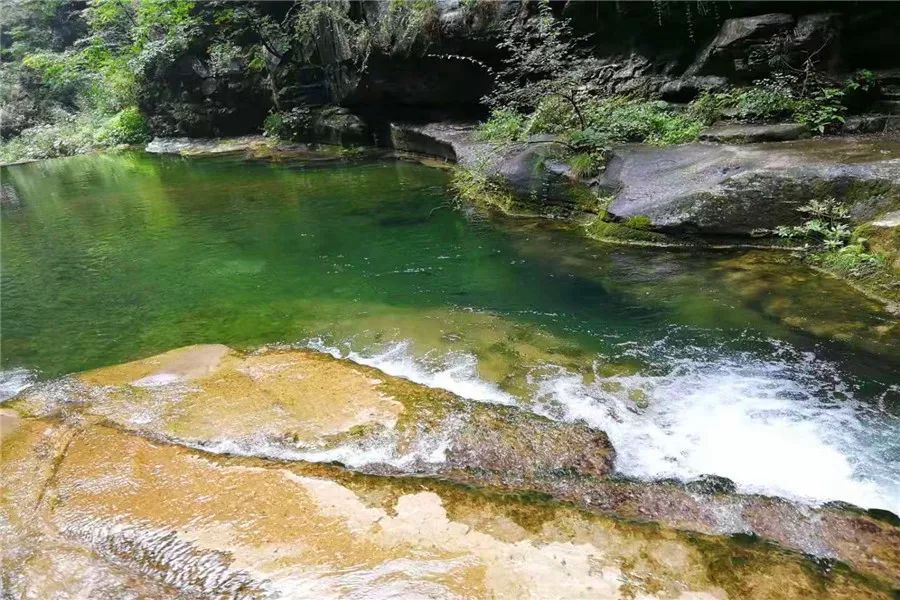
[338, 126]
[739, 190]
[751, 48]
[686, 89]
[533, 175]
[422, 140]
[743, 47]
[738, 133]
[535, 171]
[872, 124]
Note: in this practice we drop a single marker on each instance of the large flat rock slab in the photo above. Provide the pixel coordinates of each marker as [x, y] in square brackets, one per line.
[742, 189]
[300, 404]
[738, 133]
[287, 406]
[89, 509]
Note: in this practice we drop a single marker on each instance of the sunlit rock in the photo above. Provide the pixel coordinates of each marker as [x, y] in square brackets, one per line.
[89, 501]
[301, 404]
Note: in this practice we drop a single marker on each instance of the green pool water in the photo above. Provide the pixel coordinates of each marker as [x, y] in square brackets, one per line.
[108, 258]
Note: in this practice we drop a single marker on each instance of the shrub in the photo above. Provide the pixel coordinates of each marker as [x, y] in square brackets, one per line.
[853, 260]
[68, 134]
[552, 115]
[707, 107]
[128, 126]
[625, 120]
[288, 125]
[504, 125]
[544, 59]
[585, 164]
[760, 103]
[820, 107]
[823, 111]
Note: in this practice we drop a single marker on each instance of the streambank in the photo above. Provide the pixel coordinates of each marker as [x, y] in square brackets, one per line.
[702, 195]
[267, 428]
[708, 196]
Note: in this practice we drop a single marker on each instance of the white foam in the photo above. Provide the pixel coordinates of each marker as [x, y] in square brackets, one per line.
[425, 450]
[157, 380]
[787, 426]
[455, 372]
[14, 381]
[767, 427]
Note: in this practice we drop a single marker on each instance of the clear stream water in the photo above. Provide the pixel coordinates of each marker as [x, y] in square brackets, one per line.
[783, 380]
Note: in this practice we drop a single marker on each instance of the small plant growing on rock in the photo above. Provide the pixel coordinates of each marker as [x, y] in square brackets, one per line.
[504, 125]
[287, 125]
[827, 226]
[585, 164]
[475, 185]
[837, 249]
[823, 111]
[853, 260]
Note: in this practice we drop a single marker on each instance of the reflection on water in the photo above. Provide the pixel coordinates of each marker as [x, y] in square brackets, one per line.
[741, 365]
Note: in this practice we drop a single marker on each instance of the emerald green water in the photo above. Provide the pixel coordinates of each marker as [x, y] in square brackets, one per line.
[109, 258]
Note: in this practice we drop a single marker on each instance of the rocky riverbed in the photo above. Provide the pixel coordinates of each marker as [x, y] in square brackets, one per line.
[283, 471]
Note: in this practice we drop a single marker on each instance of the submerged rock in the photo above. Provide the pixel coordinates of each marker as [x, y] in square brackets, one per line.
[739, 190]
[760, 279]
[192, 146]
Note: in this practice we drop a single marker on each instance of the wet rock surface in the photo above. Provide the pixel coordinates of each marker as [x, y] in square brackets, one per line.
[736, 190]
[88, 501]
[747, 134]
[301, 404]
[94, 453]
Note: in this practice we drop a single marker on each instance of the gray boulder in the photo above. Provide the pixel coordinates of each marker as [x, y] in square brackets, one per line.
[686, 89]
[872, 124]
[743, 46]
[533, 173]
[737, 190]
[750, 48]
[429, 140]
[737, 133]
[338, 126]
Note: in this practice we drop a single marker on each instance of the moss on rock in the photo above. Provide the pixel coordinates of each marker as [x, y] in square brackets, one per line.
[633, 230]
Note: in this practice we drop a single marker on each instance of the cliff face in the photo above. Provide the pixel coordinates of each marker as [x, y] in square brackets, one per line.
[221, 67]
[436, 58]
